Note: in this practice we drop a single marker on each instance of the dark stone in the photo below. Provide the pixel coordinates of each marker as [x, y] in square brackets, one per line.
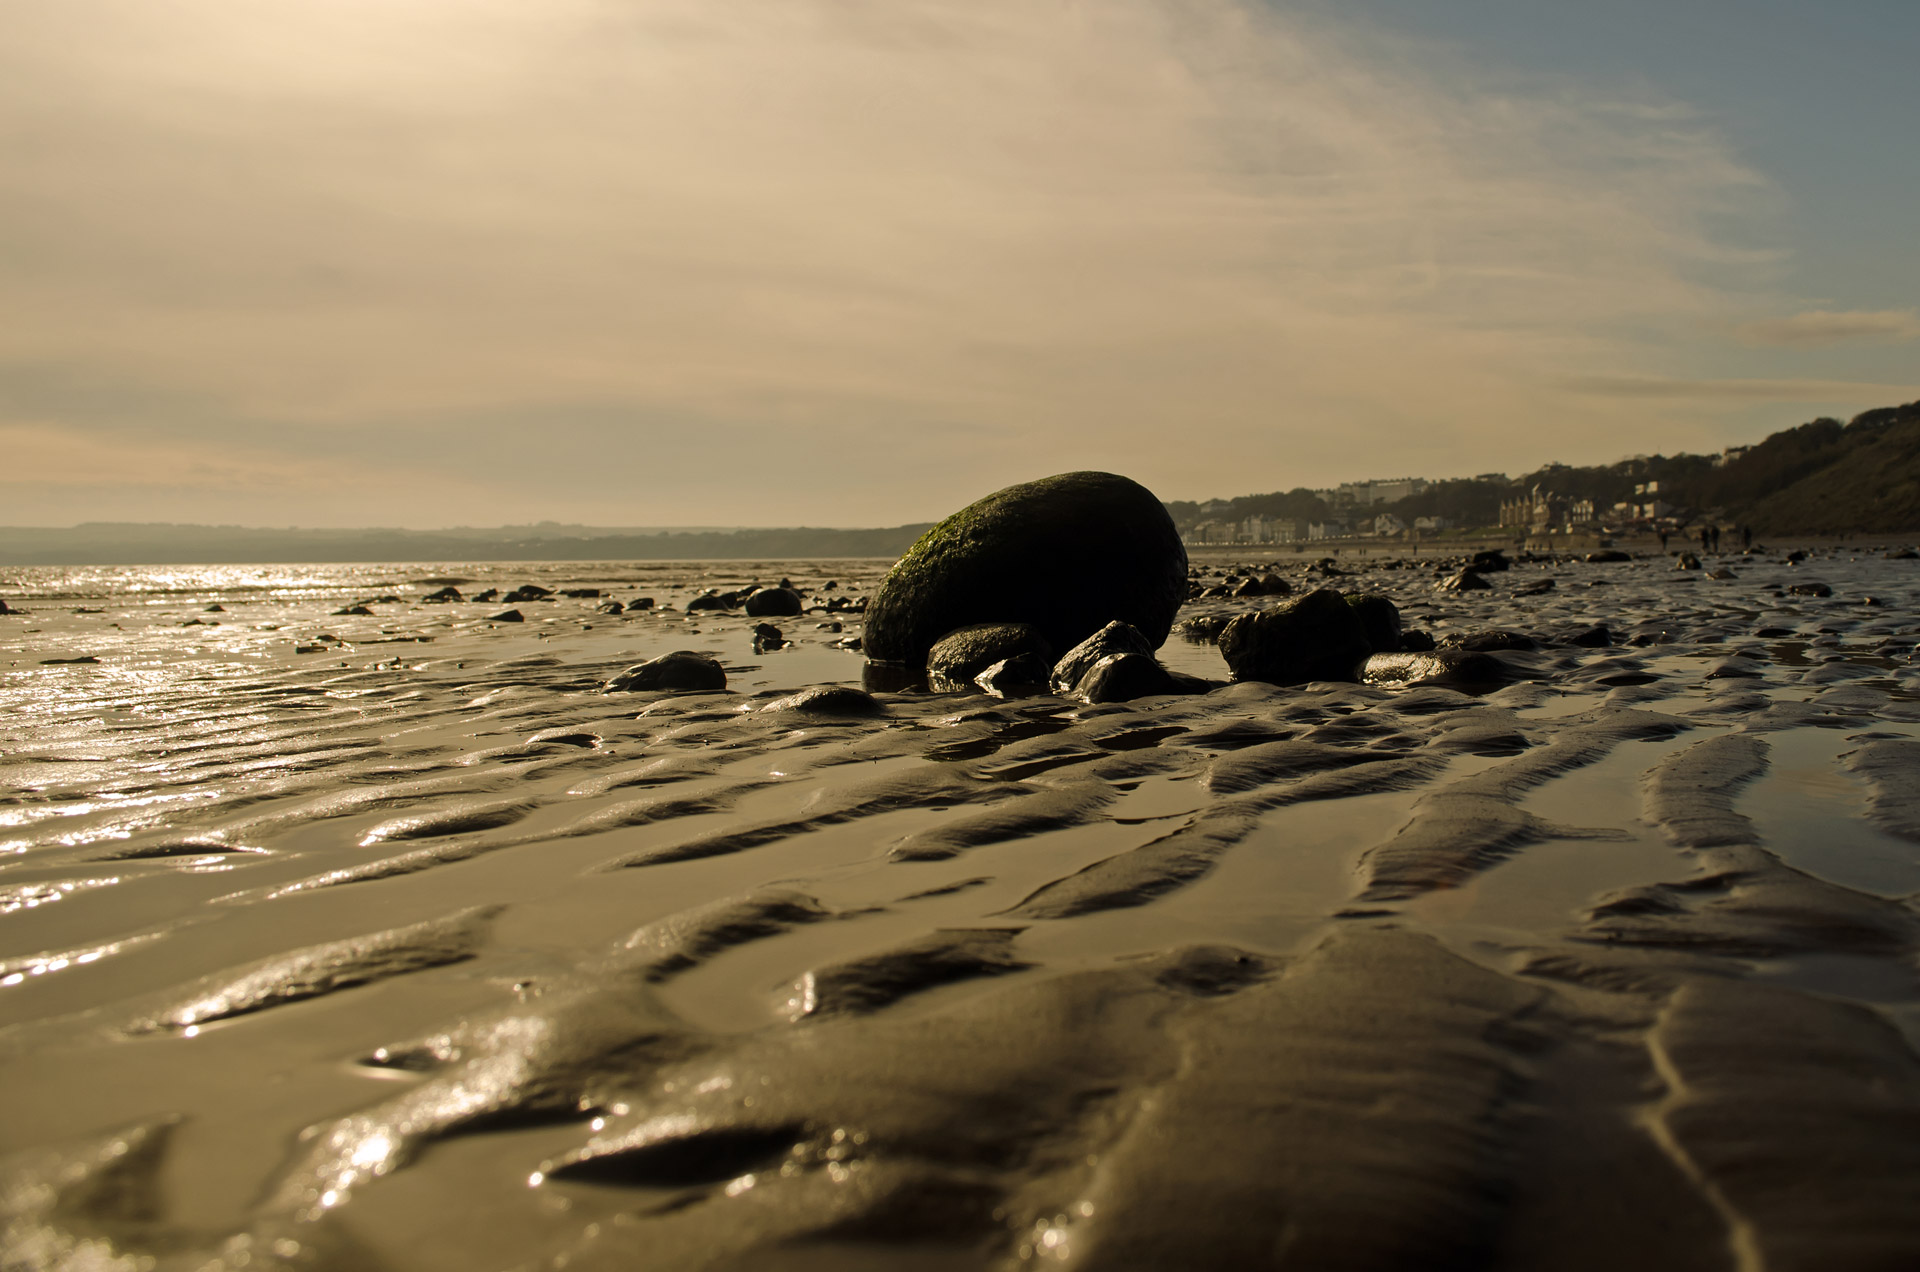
[1904, 554]
[1456, 668]
[640, 603]
[775, 602]
[1482, 642]
[830, 700]
[1810, 589]
[879, 677]
[443, 595]
[529, 592]
[1464, 581]
[1274, 585]
[1379, 620]
[711, 600]
[1124, 677]
[1595, 637]
[1539, 587]
[360, 610]
[57, 662]
[8, 609]
[1065, 554]
[1115, 638]
[1607, 557]
[1317, 636]
[581, 593]
[1491, 561]
[214, 609]
[767, 637]
[491, 594]
[962, 655]
[1202, 629]
[1723, 573]
[508, 616]
[680, 669]
[1022, 673]
[1414, 642]
[610, 607]
[1686, 561]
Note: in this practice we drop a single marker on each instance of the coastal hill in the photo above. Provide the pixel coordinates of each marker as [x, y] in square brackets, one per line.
[1822, 477]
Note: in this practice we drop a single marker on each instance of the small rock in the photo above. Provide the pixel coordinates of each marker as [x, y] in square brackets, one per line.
[960, 656]
[491, 594]
[1020, 674]
[1491, 561]
[1317, 636]
[842, 700]
[1463, 581]
[1115, 638]
[1686, 561]
[57, 662]
[214, 609]
[445, 594]
[609, 607]
[640, 603]
[1595, 637]
[1810, 589]
[1608, 556]
[507, 616]
[1122, 678]
[1379, 620]
[681, 669]
[581, 593]
[1487, 641]
[775, 602]
[1539, 587]
[767, 637]
[360, 610]
[1457, 668]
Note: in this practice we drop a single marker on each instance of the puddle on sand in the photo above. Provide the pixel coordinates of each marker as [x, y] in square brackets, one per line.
[1812, 814]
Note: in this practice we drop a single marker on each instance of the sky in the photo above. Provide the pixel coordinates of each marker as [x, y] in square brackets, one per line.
[859, 262]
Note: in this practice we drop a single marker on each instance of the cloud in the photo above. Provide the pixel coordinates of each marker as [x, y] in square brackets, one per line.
[1820, 327]
[1755, 390]
[902, 251]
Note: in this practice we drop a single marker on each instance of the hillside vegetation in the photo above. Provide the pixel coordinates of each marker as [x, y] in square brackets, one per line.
[1823, 477]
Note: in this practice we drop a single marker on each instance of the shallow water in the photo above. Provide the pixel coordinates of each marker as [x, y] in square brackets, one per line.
[1020, 948]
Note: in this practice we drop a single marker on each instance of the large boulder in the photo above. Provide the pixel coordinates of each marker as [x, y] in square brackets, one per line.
[1318, 636]
[1065, 554]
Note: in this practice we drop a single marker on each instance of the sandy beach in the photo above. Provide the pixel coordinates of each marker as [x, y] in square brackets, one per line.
[390, 941]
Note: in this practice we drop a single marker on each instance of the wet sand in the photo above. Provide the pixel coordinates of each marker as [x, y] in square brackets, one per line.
[416, 951]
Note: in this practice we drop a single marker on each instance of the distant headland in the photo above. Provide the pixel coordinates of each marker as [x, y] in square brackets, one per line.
[1821, 478]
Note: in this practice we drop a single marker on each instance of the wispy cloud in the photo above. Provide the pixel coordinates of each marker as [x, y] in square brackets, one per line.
[840, 234]
[1817, 328]
[1675, 389]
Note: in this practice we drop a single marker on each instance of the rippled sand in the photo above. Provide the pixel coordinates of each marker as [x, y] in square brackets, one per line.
[416, 951]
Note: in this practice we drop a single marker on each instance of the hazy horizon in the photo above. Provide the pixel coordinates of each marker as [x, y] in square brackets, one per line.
[850, 264]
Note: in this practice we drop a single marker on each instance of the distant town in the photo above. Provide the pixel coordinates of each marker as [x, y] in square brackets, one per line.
[1822, 477]
[1538, 511]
